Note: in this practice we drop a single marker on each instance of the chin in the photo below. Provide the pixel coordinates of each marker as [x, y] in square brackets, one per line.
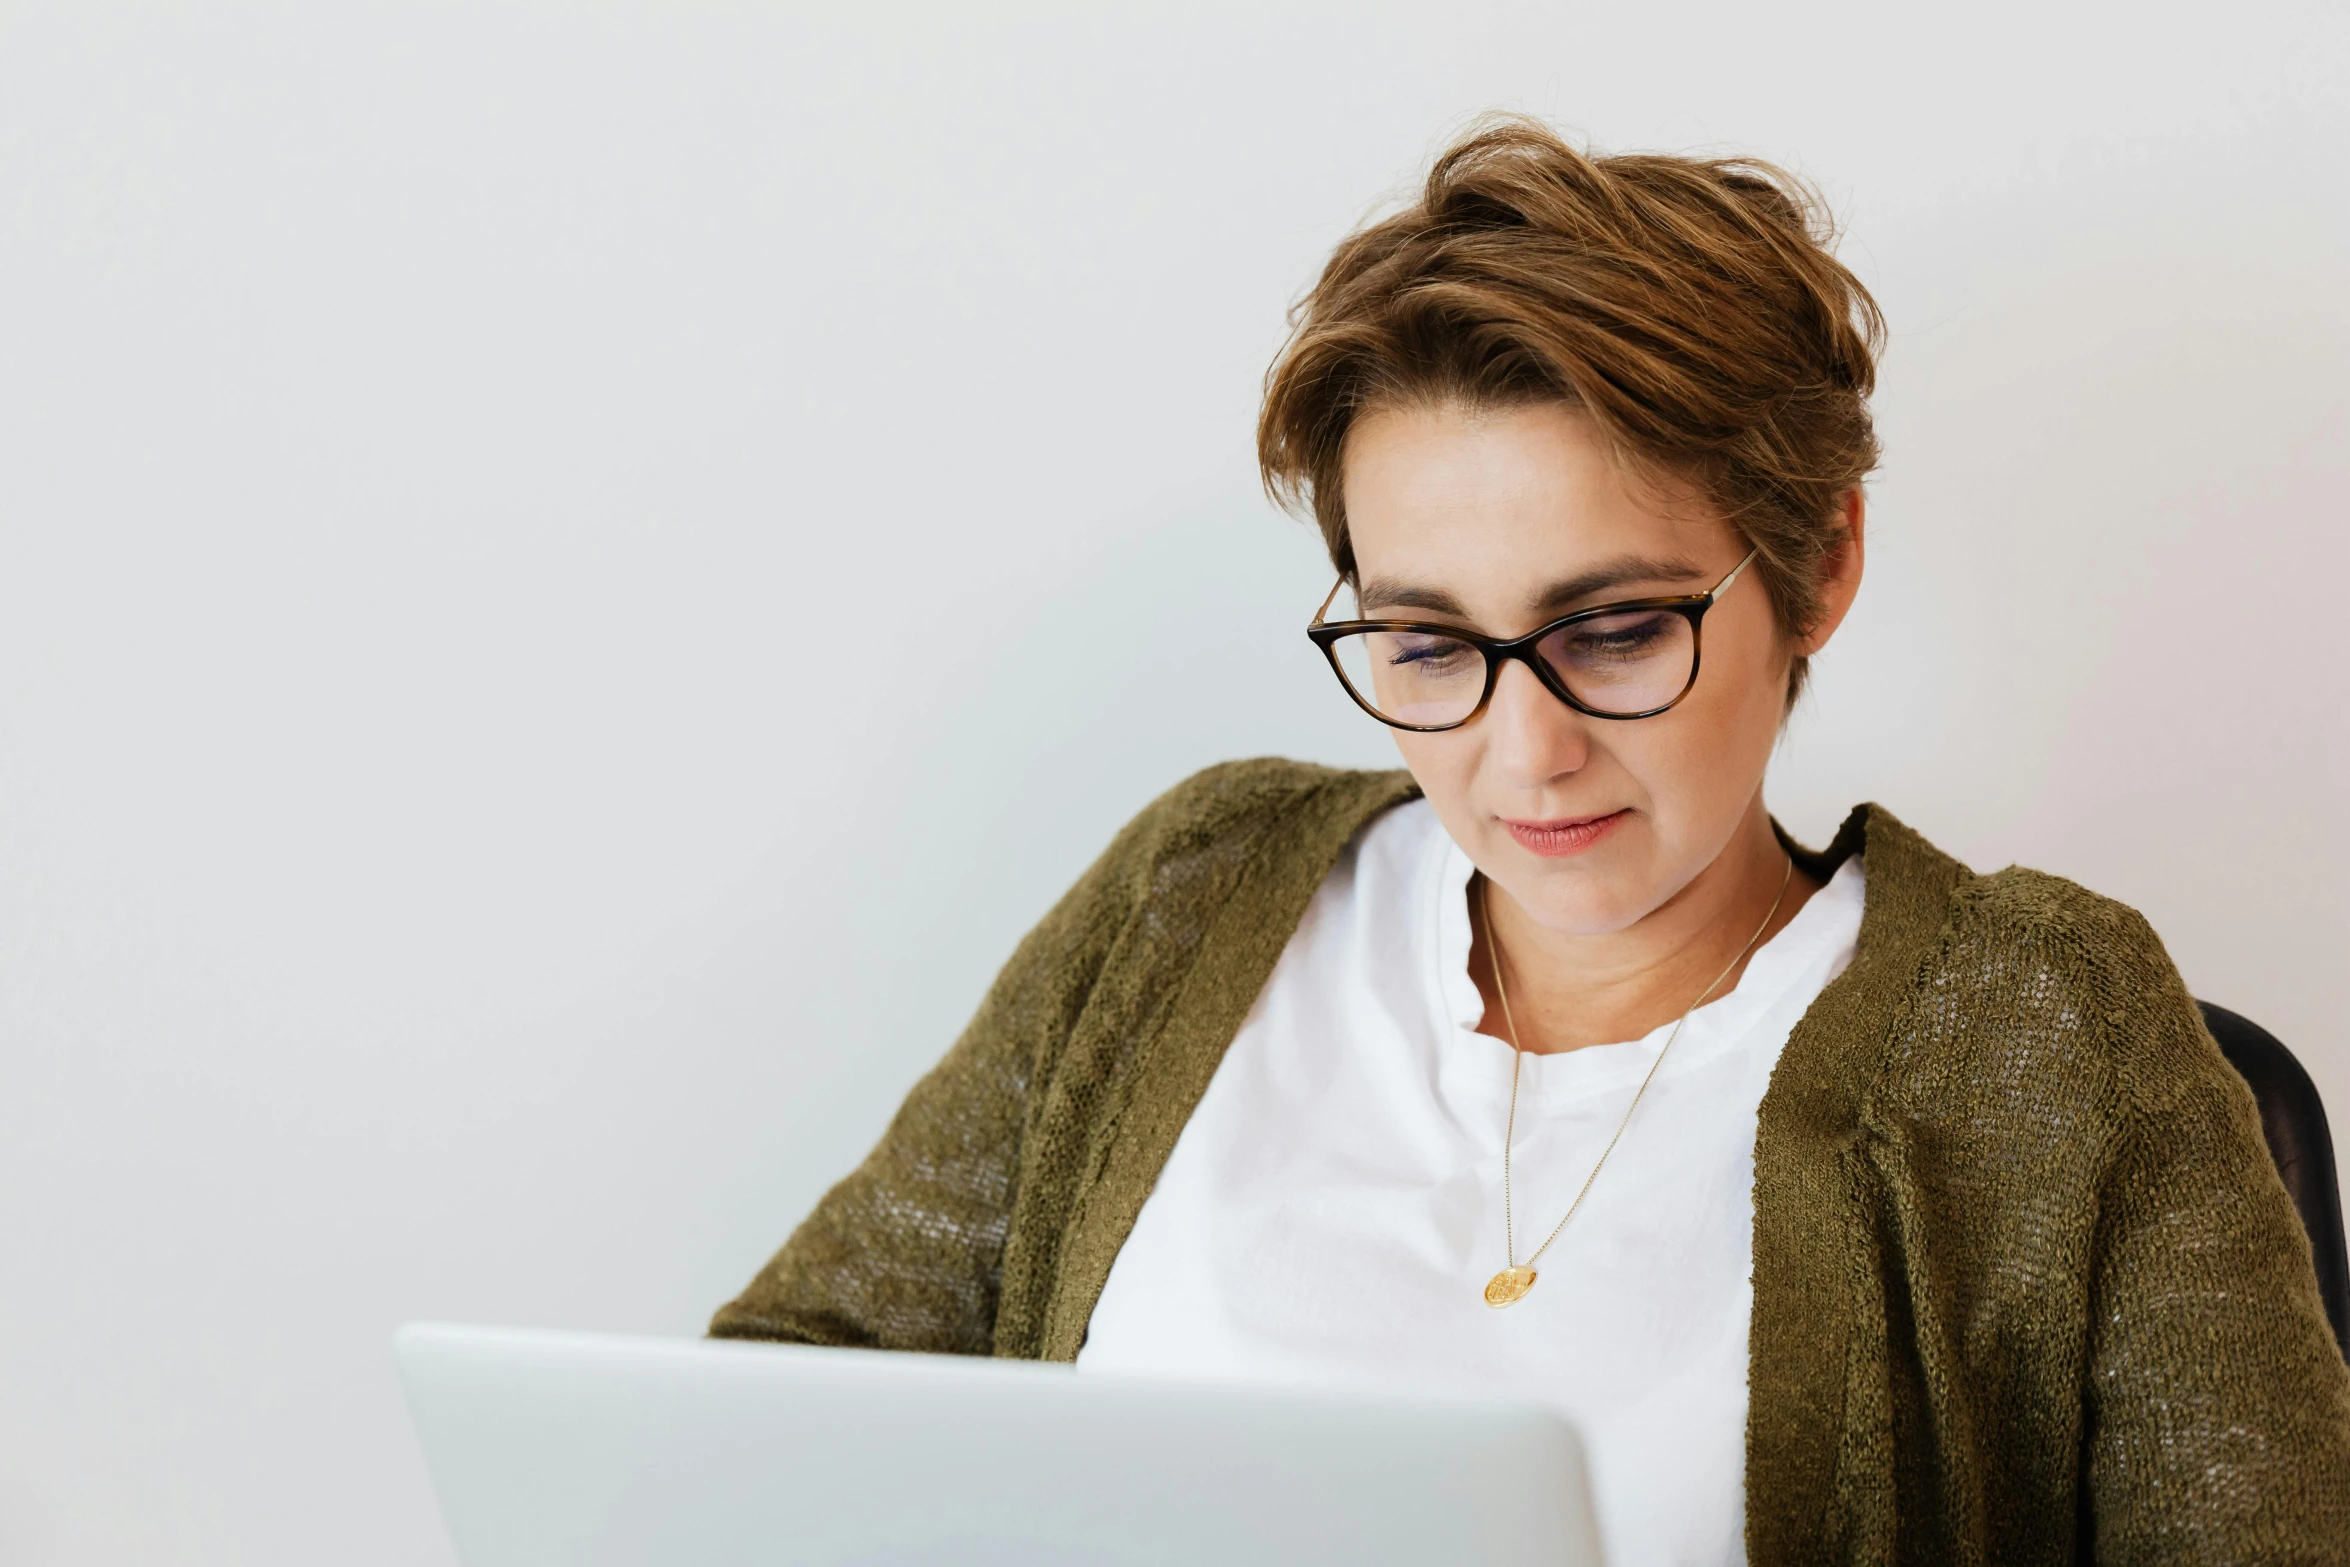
[1595, 894]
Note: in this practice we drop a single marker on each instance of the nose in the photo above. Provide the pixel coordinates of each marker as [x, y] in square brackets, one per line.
[1533, 738]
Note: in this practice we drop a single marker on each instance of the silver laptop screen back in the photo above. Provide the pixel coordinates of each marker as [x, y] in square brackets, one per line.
[590, 1451]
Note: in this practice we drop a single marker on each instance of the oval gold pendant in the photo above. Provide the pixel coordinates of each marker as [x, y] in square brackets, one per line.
[1508, 1287]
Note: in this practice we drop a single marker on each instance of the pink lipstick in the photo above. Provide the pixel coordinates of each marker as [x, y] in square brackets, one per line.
[1565, 835]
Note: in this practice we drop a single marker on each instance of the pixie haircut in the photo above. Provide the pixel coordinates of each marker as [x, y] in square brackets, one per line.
[1691, 308]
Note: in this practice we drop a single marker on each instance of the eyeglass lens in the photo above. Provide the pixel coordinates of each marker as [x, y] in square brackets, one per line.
[1626, 663]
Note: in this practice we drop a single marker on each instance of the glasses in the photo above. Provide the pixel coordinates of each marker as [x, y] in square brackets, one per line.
[1628, 660]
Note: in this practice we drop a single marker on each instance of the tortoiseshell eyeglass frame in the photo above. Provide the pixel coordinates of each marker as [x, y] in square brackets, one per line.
[1689, 606]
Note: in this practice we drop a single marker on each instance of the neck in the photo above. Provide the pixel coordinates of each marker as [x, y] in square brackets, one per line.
[1568, 991]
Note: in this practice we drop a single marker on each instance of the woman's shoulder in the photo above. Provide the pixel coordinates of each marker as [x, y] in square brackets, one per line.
[1258, 807]
[1258, 830]
[2021, 961]
[2012, 913]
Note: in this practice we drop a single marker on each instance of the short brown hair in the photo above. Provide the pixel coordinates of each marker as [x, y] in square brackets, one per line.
[1693, 308]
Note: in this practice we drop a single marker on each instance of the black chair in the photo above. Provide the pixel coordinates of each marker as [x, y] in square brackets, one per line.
[2294, 1122]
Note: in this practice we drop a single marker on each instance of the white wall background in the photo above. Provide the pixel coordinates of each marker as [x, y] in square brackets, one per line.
[481, 833]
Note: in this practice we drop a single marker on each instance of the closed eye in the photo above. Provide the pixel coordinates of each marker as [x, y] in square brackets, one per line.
[1615, 637]
[1427, 652]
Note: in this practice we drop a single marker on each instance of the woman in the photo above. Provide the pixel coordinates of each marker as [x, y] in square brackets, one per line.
[1857, 1206]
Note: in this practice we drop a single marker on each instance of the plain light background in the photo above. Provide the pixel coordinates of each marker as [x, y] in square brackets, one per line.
[572, 577]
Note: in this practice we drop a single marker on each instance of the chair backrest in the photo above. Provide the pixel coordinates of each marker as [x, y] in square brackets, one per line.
[2294, 1121]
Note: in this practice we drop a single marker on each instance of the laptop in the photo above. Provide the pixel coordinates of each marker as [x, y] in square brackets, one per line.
[594, 1451]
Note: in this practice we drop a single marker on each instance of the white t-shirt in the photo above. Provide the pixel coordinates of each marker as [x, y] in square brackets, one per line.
[1333, 1209]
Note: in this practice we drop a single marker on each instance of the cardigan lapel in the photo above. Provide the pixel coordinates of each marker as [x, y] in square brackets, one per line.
[1813, 1278]
[1243, 943]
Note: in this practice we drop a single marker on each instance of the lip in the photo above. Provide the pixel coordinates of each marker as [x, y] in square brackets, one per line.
[1561, 836]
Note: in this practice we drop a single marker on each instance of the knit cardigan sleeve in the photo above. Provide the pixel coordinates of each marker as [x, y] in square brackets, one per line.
[2218, 1418]
[906, 1252]
[984, 1221]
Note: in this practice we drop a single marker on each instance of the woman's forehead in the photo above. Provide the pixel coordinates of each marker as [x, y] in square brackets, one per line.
[1437, 490]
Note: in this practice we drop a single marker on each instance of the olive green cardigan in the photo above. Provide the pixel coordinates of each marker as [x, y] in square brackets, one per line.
[2026, 1286]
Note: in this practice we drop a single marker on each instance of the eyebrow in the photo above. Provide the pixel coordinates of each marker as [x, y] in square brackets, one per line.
[1551, 598]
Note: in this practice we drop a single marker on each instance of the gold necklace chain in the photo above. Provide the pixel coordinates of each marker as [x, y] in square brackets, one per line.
[1510, 1285]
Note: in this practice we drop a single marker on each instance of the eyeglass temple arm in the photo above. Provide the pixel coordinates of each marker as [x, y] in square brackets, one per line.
[1326, 602]
[1723, 586]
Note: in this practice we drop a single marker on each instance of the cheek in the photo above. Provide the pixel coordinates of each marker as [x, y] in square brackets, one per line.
[1445, 767]
[1698, 765]
[1716, 745]
[1442, 764]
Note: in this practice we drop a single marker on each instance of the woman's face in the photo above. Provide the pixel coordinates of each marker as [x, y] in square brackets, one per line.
[1501, 521]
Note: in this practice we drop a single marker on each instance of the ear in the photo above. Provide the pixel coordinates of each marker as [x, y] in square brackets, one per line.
[1841, 584]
